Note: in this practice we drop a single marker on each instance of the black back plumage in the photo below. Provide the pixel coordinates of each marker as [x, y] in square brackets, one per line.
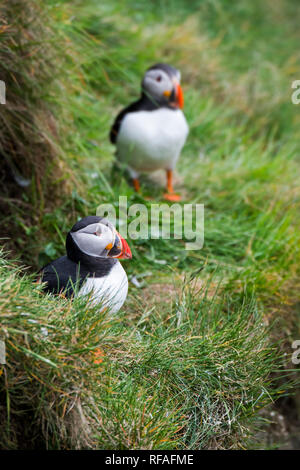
[63, 276]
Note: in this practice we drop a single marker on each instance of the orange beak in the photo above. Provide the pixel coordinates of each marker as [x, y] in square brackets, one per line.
[179, 95]
[126, 251]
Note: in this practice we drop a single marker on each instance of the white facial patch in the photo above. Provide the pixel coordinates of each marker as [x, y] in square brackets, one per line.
[94, 239]
[157, 82]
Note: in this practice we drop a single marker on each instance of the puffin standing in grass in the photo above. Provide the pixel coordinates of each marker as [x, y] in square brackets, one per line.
[91, 265]
[150, 133]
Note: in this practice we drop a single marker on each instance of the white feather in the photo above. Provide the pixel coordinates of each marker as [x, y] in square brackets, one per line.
[152, 140]
[108, 291]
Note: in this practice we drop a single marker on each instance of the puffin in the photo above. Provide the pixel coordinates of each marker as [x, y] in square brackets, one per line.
[150, 133]
[91, 265]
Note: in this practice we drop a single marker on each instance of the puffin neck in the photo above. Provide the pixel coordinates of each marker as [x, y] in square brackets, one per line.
[94, 264]
[149, 103]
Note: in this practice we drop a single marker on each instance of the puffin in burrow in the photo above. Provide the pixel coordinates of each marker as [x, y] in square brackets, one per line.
[91, 265]
[150, 133]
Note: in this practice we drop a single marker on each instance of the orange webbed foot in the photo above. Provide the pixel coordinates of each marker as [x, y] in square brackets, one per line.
[172, 197]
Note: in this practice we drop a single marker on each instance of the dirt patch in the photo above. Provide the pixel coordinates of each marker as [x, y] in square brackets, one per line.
[283, 428]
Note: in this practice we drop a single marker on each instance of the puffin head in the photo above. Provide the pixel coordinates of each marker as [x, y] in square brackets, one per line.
[161, 82]
[94, 237]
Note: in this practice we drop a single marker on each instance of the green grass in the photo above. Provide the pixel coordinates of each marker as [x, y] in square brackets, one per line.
[194, 372]
[187, 376]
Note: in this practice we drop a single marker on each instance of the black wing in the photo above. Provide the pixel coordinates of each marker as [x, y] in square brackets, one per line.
[62, 275]
[118, 121]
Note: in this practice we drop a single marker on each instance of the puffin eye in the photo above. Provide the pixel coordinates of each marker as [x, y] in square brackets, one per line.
[158, 79]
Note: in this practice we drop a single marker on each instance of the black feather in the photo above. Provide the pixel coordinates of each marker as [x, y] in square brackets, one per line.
[64, 275]
[168, 69]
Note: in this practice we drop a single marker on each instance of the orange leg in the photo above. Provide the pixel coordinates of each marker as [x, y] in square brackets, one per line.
[136, 184]
[170, 195]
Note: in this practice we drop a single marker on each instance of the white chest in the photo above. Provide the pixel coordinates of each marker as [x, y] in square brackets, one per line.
[150, 140]
[109, 291]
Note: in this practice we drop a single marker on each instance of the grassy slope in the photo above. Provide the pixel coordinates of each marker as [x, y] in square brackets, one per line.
[191, 376]
[193, 371]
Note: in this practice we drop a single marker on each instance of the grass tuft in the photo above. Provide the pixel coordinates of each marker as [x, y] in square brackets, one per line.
[191, 376]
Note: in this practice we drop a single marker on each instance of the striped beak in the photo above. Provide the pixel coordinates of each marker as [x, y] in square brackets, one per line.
[125, 250]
